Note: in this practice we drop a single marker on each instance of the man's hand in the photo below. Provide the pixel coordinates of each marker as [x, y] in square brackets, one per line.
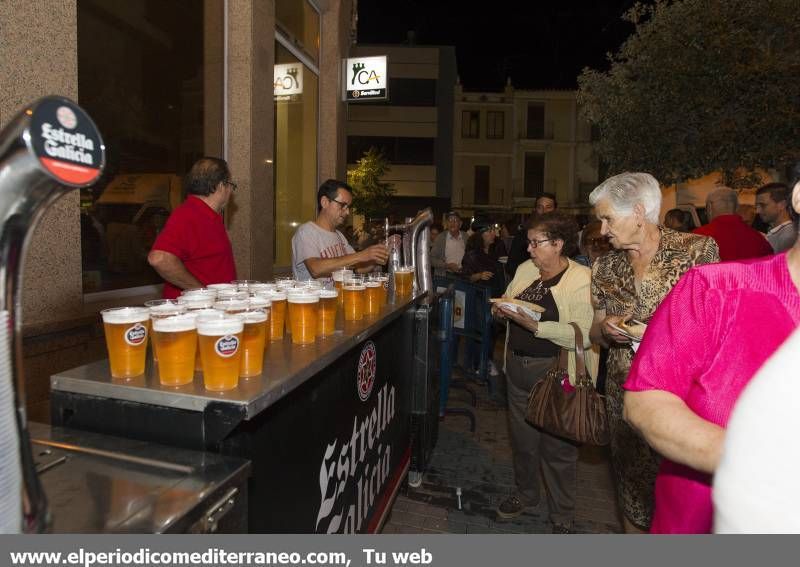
[481, 276]
[451, 267]
[375, 254]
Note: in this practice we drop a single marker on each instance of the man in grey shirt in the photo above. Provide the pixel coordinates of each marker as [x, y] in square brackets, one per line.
[448, 248]
[773, 206]
[319, 249]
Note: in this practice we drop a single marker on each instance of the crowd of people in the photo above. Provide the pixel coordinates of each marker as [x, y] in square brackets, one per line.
[715, 303]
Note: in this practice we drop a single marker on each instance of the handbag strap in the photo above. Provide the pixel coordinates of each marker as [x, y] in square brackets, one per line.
[580, 359]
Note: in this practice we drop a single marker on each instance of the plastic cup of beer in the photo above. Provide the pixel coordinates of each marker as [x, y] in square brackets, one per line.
[244, 285]
[373, 298]
[404, 281]
[160, 308]
[195, 302]
[199, 291]
[232, 294]
[277, 316]
[253, 341]
[384, 279]
[338, 282]
[303, 307]
[354, 293]
[264, 304]
[220, 350]
[233, 305]
[175, 344]
[261, 287]
[326, 313]
[126, 331]
[218, 286]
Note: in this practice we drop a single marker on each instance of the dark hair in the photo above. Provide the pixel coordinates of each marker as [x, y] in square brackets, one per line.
[437, 226]
[550, 196]
[512, 226]
[474, 242]
[681, 217]
[777, 192]
[204, 176]
[330, 189]
[557, 226]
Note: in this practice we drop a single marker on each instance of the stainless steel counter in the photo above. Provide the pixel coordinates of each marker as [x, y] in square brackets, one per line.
[286, 366]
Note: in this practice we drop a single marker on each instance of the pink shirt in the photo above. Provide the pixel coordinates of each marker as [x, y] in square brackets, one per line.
[708, 337]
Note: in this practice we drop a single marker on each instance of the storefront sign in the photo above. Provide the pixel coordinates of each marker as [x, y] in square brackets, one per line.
[365, 78]
[288, 82]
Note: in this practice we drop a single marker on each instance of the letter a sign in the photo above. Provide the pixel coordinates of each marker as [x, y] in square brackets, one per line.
[365, 78]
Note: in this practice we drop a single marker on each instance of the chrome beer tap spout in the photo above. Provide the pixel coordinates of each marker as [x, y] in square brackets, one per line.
[48, 149]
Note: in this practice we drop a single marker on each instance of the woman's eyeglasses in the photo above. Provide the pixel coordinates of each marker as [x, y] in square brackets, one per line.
[537, 243]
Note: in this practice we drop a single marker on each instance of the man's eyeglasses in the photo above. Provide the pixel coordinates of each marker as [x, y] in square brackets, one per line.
[231, 184]
[344, 206]
[537, 243]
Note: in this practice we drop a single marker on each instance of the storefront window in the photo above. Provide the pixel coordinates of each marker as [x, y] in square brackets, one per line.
[299, 20]
[143, 77]
[296, 132]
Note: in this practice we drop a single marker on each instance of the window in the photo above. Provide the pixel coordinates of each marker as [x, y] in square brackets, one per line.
[470, 124]
[399, 150]
[143, 78]
[300, 21]
[409, 92]
[295, 168]
[535, 121]
[495, 125]
[534, 174]
[481, 185]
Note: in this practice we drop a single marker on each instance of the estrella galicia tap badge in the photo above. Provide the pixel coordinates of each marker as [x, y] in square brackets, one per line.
[136, 335]
[66, 141]
[227, 346]
[366, 78]
[367, 366]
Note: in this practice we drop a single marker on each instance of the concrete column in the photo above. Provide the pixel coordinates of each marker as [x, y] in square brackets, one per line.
[251, 56]
[38, 57]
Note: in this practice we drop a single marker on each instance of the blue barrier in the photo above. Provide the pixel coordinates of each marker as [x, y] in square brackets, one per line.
[447, 341]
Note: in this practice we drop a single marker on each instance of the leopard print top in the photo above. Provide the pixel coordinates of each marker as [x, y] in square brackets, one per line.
[613, 289]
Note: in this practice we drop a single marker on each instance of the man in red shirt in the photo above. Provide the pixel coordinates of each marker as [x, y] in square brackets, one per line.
[735, 239]
[194, 250]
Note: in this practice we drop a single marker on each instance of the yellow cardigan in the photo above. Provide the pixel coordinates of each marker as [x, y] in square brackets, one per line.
[572, 296]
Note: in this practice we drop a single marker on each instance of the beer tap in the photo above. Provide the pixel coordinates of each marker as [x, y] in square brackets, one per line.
[50, 147]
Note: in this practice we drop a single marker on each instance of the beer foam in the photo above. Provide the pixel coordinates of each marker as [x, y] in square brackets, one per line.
[232, 294]
[405, 270]
[340, 275]
[167, 309]
[278, 296]
[373, 284]
[303, 297]
[197, 301]
[232, 304]
[254, 316]
[209, 313]
[228, 325]
[260, 287]
[125, 315]
[218, 286]
[328, 293]
[354, 287]
[176, 323]
[259, 302]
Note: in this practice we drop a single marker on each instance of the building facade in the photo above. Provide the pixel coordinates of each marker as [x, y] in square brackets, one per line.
[168, 82]
[511, 146]
[414, 126]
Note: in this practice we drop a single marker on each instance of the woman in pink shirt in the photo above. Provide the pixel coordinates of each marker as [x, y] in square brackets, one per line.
[703, 345]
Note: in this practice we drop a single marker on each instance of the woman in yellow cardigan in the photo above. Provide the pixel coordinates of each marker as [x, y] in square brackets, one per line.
[562, 287]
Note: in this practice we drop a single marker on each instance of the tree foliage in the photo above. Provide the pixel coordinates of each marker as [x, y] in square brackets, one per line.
[700, 86]
[371, 196]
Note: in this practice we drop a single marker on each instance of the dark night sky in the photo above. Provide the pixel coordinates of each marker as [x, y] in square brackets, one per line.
[538, 44]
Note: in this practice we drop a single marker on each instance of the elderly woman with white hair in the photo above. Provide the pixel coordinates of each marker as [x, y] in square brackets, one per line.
[629, 283]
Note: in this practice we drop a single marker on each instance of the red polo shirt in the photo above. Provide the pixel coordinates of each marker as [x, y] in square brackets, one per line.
[735, 239]
[196, 234]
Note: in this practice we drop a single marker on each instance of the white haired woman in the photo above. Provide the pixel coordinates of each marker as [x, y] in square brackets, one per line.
[629, 282]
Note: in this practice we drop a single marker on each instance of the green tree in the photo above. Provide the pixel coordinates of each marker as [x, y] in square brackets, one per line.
[371, 196]
[700, 86]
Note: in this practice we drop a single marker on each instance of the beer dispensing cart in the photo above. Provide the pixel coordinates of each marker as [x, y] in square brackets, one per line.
[65, 480]
[330, 428]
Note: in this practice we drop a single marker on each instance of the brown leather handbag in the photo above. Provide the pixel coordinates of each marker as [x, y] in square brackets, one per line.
[579, 415]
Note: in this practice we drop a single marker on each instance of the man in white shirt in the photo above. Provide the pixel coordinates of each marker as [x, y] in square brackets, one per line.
[772, 205]
[448, 248]
[318, 248]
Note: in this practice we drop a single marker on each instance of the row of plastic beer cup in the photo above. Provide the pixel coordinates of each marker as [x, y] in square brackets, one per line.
[229, 345]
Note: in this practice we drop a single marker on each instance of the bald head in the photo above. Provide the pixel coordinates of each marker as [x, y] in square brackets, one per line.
[722, 201]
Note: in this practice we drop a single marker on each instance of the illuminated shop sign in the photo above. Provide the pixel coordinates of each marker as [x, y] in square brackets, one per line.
[288, 82]
[365, 78]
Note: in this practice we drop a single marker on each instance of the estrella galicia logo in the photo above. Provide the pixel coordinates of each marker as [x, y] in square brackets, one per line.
[136, 335]
[227, 346]
[367, 367]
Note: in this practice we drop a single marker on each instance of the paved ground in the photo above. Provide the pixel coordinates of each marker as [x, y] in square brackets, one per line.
[480, 464]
